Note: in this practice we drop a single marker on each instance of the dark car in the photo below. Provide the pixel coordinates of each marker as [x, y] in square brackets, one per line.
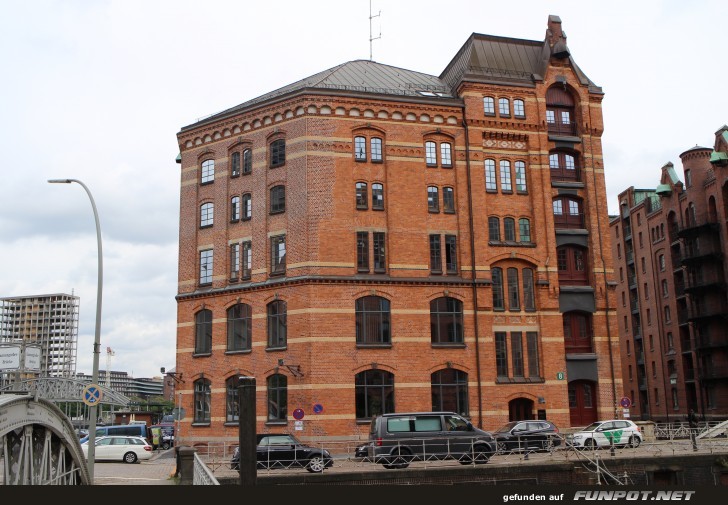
[285, 451]
[527, 435]
[362, 451]
[395, 440]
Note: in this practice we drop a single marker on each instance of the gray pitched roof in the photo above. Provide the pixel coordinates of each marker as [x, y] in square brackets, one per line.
[483, 58]
[358, 76]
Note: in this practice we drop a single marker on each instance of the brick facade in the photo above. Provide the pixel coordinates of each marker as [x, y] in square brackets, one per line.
[322, 281]
[670, 247]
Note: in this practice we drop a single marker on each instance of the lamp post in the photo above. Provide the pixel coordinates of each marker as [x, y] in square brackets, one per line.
[97, 334]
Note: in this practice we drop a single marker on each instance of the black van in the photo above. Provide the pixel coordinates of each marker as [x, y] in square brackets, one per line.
[395, 440]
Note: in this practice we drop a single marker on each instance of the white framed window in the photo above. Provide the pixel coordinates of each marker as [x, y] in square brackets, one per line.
[504, 107]
[206, 266]
[490, 178]
[521, 177]
[431, 153]
[489, 106]
[360, 148]
[519, 109]
[445, 154]
[376, 149]
[505, 176]
[208, 171]
[207, 211]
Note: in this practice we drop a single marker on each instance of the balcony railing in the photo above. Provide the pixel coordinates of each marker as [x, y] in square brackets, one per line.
[569, 221]
[713, 373]
[562, 129]
[706, 309]
[698, 225]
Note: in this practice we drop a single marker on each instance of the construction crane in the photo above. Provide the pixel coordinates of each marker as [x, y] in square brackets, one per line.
[109, 353]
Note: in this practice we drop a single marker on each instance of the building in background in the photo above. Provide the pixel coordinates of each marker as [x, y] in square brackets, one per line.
[127, 385]
[50, 321]
[374, 239]
[670, 246]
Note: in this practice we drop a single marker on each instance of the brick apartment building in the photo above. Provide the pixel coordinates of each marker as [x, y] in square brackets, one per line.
[373, 239]
[670, 246]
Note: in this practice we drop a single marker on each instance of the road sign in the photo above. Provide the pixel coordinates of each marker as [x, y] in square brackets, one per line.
[560, 376]
[298, 414]
[625, 402]
[92, 395]
[298, 425]
[318, 408]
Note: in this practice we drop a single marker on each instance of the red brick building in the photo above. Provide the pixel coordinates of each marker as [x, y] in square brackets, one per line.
[373, 239]
[670, 248]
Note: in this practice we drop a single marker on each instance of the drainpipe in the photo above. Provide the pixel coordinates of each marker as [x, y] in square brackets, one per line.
[473, 275]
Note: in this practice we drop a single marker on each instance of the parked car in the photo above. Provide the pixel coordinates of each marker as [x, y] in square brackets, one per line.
[119, 448]
[285, 451]
[398, 439]
[362, 452]
[619, 432]
[525, 435]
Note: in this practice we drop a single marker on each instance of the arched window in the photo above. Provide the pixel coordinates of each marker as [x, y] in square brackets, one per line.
[445, 155]
[239, 327]
[524, 230]
[377, 196]
[519, 109]
[203, 332]
[247, 161]
[372, 321]
[529, 295]
[446, 321]
[431, 153]
[376, 143]
[277, 326]
[207, 173]
[207, 211]
[572, 265]
[235, 164]
[494, 229]
[521, 177]
[448, 200]
[232, 405]
[360, 148]
[277, 153]
[277, 199]
[491, 184]
[505, 176]
[578, 332]
[374, 393]
[247, 206]
[504, 107]
[563, 166]
[497, 286]
[514, 295]
[509, 229]
[450, 391]
[560, 111]
[235, 208]
[489, 105]
[202, 401]
[277, 397]
[361, 195]
[568, 212]
[433, 199]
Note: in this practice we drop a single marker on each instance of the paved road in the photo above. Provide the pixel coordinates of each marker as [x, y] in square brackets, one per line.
[158, 471]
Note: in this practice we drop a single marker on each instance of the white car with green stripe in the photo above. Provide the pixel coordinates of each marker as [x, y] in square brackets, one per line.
[619, 432]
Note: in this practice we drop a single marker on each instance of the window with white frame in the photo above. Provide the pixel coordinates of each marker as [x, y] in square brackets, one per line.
[504, 107]
[208, 172]
[489, 105]
[490, 177]
[505, 176]
[521, 177]
[207, 210]
[206, 266]
[519, 109]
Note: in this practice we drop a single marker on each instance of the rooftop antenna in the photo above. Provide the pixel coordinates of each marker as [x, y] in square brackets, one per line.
[370, 29]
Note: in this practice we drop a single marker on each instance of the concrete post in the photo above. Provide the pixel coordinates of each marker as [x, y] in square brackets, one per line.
[247, 431]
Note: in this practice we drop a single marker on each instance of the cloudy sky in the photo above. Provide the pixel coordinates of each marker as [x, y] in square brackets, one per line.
[96, 90]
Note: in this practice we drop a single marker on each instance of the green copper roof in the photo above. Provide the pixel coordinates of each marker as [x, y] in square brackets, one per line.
[717, 156]
[663, 189]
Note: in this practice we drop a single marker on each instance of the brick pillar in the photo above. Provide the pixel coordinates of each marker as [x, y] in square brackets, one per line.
[186, 465]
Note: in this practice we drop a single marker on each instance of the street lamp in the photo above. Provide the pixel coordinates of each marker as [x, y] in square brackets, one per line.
[97, 334]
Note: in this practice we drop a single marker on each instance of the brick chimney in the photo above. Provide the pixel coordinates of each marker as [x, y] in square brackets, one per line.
[556, 38]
